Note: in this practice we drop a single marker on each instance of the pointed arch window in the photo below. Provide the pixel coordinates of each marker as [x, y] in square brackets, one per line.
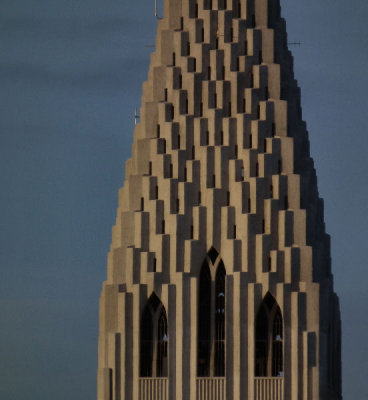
[154, 339]
[269, 339]
[220, 321]
[211, 317]
[204, 321]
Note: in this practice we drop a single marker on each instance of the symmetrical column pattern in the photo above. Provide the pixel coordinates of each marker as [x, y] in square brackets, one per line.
[220, 161]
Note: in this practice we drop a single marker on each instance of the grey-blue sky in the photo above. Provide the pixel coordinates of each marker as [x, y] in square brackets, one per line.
[70, 78]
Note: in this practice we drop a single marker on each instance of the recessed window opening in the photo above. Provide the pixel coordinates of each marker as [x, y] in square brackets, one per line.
[164, 146]
[154, 339]
[156, 192]
[273, 129]
[279, 166]
[250, 141]
[209, 73]
[242, 172]
[195, 65]
[150, 168]
[204, 322]
[249, 205]
[277, 344]
[260, 57]
[216, 43]
[186, 106]
[234, 232]
[229, 109]
[154, 264]
[161, 369]
[202, 35]
[265, 145]
[142, 203]
[174, 59]
[191, 232]
[158, 131]
[146, 339]
[263, 226]
[243, 105]
[180, 81]
[199, 198]
[231, 34]
[193, 152]
[201, 110]
[239, 9]
[271, 190]
[220, 321]
[286, 202]
[213, 180]
[253, 22]
[236, 151]
[223, 73]
[267, 94]
[196, 11]
[177, 205]
[185, 174]
[221, 138]
[207, 137]
[181, 23]
[269, 263]
[227, 198]
[163, 226]
[237, 64]
[188, 48]
[171, 170]
[165, 94]
[110, 384]
[215, 100]
[258, 111]
[172, 112]
[257, 169]
[269, 339]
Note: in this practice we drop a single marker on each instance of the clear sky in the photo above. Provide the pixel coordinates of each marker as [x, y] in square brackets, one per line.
[70, 77]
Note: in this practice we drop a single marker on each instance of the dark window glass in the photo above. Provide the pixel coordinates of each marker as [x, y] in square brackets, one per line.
[162, 340]
[146, 348]
[220, 321]
[204, 322]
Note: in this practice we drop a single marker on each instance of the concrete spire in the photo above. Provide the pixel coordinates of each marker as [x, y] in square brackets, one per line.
[220, 161]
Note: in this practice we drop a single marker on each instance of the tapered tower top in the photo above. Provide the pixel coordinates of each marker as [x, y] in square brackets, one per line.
[219, 277]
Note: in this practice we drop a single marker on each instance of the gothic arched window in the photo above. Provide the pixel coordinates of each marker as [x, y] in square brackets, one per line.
[153, 339]
[211, 317]
[220, 321]
[204, 321]
[161, 369]
[269, 339]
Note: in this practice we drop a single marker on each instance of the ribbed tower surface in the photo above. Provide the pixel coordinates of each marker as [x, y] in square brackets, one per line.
[221, 183]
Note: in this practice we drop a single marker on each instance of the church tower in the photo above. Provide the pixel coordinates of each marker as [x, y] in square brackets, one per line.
[219, 282]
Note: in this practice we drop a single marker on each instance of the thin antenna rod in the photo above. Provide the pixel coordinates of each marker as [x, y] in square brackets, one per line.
[156, 10]
[136, 117]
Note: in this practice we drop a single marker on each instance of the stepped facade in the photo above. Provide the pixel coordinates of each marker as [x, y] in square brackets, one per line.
[219, 280]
